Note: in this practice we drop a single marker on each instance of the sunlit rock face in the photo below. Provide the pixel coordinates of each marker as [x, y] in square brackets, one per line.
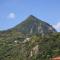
[34, 51]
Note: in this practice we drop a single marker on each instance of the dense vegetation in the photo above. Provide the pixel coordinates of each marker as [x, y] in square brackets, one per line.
[32, 39]
[17, 48]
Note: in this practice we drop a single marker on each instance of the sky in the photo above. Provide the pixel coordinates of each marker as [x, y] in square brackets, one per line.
[13, 12]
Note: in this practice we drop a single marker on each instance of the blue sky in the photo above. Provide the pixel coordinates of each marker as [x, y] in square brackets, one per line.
[12, 12]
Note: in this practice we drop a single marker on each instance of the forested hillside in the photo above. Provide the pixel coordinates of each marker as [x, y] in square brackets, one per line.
[36, 47]
[32, 39]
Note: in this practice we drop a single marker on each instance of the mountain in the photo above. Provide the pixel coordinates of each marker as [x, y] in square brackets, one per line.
[14, 45]
[33, 25]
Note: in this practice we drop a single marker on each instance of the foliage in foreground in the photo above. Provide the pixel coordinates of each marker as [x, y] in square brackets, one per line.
[14, 48]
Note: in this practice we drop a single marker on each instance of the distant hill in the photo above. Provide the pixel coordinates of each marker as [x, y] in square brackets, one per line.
[33, 25]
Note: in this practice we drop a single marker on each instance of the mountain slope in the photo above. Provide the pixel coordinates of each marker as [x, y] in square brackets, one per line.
[14, 45]
[33, 25]
[35, 48]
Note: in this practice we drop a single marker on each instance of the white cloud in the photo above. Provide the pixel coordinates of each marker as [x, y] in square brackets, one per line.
[12, 15]
[57, 26]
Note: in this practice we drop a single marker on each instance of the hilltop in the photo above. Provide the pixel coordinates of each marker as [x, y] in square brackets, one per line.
[33, 25]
